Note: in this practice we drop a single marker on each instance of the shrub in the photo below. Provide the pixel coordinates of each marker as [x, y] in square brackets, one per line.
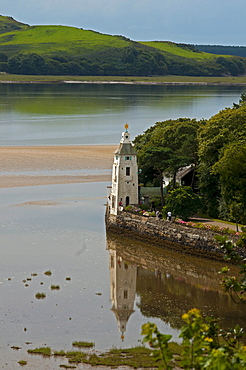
[182, 202]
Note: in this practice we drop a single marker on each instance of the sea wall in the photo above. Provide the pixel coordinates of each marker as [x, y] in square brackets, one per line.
[169, 234]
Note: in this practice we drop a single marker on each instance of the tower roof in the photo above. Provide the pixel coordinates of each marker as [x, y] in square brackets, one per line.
[125, 149]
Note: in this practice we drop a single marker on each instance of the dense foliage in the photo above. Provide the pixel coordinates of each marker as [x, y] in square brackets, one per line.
[217, 150]
[204, 345]
[183, 202]
[62, 50]
[165, 147]
[222, 168]
[223, 50]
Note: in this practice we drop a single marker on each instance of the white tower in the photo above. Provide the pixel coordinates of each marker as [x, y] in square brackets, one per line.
[125, 175]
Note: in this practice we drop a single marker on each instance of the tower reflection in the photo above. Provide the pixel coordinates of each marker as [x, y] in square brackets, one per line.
[123, 276]
[166, 284]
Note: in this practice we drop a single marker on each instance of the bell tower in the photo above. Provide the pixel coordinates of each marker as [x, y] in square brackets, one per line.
[124, 189]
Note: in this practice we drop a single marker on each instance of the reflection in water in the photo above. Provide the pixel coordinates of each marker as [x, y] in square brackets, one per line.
[61, 114]
[166, 284]
[122, 288]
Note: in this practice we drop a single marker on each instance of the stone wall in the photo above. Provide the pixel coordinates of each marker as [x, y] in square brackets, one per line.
[169, 234]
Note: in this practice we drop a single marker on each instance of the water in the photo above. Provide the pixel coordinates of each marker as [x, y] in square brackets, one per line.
[35, 114]
[61, 228]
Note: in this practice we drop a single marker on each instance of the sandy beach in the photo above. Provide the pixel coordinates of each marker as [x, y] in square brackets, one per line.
[46, 165]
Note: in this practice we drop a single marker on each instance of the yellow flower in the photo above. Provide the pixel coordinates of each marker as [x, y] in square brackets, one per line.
[207, 339]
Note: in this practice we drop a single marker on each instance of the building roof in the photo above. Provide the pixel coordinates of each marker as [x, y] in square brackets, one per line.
[125, 149]
[184, 170]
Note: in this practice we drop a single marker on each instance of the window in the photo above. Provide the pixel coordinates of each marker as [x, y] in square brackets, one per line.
[125, 294]
[127, 201]
[128, 158]
[128, 171]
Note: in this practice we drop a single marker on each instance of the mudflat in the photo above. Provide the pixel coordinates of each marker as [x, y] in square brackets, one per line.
[46, 165]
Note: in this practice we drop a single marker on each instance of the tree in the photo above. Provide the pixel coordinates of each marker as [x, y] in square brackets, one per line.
[220, 131]
[168, 146]
[182, 202]
[157, 158]
[231, 168]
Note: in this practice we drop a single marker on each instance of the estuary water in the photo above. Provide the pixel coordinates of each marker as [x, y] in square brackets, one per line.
[108, 285]
[36, 114]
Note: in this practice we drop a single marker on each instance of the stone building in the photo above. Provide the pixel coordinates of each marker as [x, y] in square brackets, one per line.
[124, 190]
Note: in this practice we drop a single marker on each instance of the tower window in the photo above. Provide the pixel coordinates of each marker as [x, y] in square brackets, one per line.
[125, 294]
[128, 158]
[127, 200]
[128, 171]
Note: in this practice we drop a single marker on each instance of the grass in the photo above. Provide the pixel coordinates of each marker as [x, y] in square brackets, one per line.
[48, 273]
[55, 287]
[22, 362]
[44, 351]
[55, 39]
[137, 357]
[83, 344]
[169, 79]
[177, 49]
[40, 295]
[9, 24]
[76, 356]
[222, 221]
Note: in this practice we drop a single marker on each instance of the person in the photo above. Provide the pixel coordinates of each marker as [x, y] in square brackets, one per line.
[169, 216]
[120, 205]
[157, 214]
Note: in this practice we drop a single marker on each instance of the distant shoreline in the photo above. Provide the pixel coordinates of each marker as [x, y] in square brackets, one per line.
[124, 80]
[127, 83]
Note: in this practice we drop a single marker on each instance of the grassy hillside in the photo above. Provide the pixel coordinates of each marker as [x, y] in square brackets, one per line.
[62, 50]
[55, 39]
[182, 50]
[8, 24]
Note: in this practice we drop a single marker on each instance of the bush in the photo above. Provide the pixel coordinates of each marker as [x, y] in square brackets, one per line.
[182, 202]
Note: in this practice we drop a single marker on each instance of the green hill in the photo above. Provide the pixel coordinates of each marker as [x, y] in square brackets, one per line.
[50, 40]
[8, 24]
[62, 50]
[181, 50]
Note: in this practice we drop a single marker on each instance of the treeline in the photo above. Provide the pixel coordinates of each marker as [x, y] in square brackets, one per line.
[223, 50]
[129, 61]
[216, 148]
